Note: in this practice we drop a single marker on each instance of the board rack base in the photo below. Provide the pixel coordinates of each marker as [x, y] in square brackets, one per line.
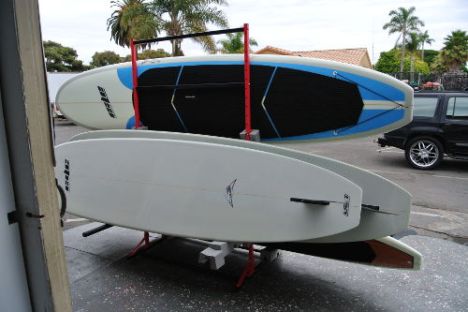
[386, 252]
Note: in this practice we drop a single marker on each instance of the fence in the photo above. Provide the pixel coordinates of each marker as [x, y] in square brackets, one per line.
[455, 81]
[449, 81]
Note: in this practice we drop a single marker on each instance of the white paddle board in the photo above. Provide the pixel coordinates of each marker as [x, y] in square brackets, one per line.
[204, 190]
[387, 205]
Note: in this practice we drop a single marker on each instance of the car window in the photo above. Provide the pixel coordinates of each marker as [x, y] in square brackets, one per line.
[457, 108]
[425, 106]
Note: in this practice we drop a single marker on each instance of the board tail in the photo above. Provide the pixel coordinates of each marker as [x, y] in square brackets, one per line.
[384, 252]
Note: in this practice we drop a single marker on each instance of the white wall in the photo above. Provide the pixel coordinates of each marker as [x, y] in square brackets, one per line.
[14, 295]
[55, 81]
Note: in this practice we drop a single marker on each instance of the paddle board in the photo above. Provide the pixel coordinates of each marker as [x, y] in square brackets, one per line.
[386, 205]
[385, 252]
[293, 98]
[204, 190]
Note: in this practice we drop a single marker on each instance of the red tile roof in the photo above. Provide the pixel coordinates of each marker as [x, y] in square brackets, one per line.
[351, 56]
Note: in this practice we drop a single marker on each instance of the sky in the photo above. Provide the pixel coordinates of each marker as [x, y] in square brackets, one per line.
[292, 25]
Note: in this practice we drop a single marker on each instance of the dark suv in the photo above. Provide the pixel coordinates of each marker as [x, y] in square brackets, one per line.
[439, 126]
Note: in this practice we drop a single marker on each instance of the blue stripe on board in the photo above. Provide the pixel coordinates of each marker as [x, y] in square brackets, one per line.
[172, 103]
[263, 103]
[384, 91]
[389, 117]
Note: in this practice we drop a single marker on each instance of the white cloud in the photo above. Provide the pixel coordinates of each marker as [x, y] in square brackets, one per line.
[294, 25]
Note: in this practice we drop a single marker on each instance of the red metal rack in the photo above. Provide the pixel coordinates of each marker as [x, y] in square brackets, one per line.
[144, 243]
[244, 29]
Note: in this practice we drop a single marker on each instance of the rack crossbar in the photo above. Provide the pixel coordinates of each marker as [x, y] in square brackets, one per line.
[200, 34]
[245, 30]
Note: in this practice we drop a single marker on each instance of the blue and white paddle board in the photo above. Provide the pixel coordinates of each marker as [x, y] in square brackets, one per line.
[292, 98]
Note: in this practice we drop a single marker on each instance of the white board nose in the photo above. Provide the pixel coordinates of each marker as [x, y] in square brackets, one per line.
[96, 99]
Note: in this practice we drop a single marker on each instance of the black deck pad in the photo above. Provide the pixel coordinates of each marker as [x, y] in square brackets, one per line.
[155, 103]
[302, 103]
[209, 99]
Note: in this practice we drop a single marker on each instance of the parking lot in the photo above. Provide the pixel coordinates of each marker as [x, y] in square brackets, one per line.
[169, 278]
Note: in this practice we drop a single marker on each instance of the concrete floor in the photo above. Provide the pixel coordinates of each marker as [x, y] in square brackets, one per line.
[168, 277]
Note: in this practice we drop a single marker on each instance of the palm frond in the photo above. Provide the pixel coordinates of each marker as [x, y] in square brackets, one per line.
[179, 17]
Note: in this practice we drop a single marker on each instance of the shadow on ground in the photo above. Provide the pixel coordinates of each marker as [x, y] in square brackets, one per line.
[168, 278]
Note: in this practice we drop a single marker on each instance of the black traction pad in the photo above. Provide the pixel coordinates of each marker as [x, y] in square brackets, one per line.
[209, 99]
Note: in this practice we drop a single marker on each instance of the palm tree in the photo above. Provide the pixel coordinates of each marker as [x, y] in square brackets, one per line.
[132, 19]
[179, 17]
[403, 21]
[235, 43]
[412, 47]
[424, 38]
[455, 52]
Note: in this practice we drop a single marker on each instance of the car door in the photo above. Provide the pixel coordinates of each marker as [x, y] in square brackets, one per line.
[456, 124]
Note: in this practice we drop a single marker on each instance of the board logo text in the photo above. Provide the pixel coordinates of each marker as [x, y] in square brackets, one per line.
[229, 190]
[106, 102]
[67, 175]
[346, 205]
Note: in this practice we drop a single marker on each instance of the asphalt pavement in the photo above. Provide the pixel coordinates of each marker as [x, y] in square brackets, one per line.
[168, 277]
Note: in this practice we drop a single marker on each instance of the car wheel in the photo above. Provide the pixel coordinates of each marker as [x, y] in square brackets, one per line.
[424, 153]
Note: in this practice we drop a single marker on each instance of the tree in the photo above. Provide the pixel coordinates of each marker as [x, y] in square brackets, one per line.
[178, 17]
[429, 56]
[235, 43]
[61, 59]
[438, 65]
[421, 67]
[412, 46]
[403, 21]
[132, 19]
[105, 58]
[148, 54]
[151, 54]
[424, 38]
[454, 54]
[388, 62]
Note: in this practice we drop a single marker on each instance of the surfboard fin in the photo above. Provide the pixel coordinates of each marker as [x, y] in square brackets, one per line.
[370, 207]
[310, 201]
[374, 208]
